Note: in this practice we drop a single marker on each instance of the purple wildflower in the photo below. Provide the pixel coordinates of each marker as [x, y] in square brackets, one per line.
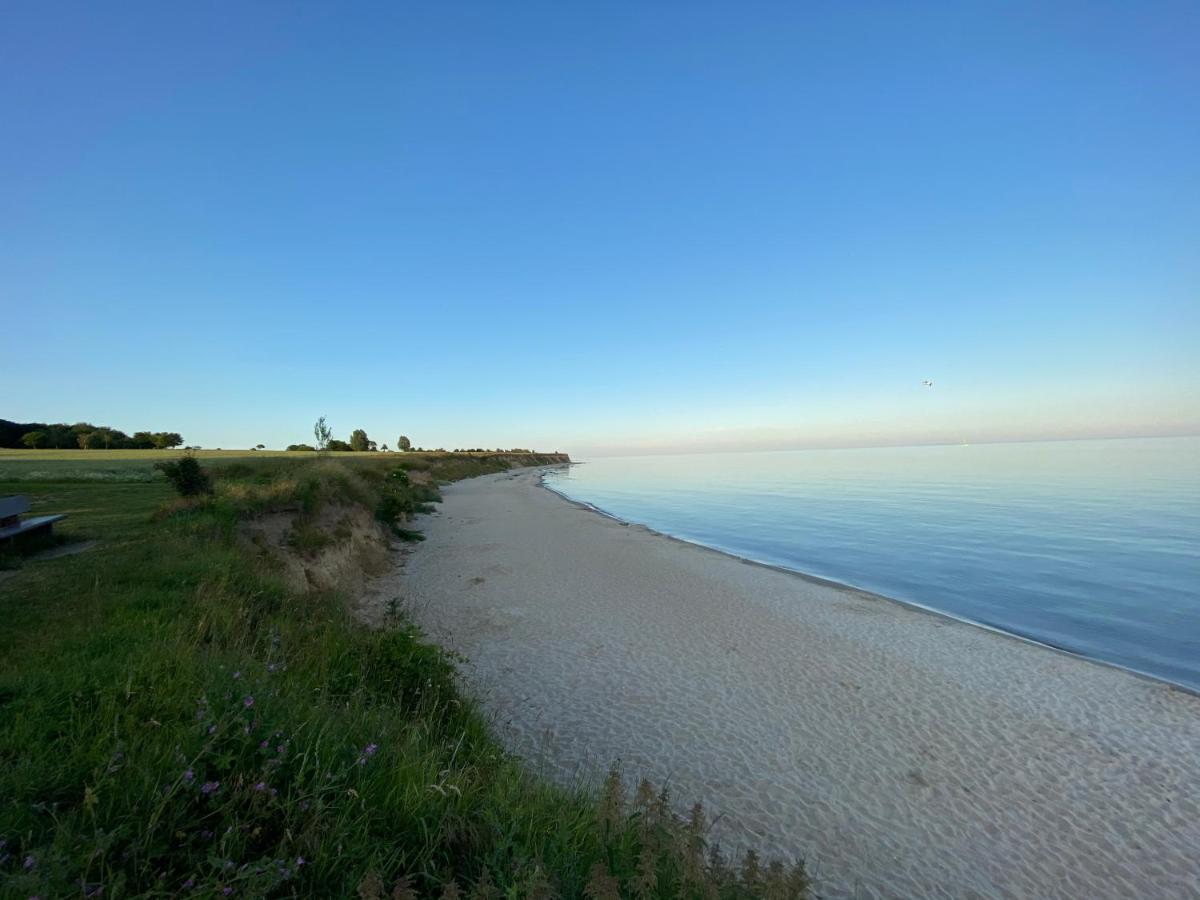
[226, 890]
[264, 746]
[237, 674]
[210, 787]
[371, 748]
[299, 861]
[189, 884]
[212, 729]
[30, 862]
[248, 702]
[261, 786]
[189, 776]
[271, 667]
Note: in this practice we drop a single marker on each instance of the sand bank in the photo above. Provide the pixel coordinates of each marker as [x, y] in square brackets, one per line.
[901, 753]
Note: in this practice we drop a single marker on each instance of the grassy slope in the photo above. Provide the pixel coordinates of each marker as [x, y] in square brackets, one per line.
[173, 720]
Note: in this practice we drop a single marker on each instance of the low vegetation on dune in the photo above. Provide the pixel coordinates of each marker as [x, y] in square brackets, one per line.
[179, 717]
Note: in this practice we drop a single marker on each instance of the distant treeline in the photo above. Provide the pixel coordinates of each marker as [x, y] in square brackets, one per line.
[82, 436]
[359, 442]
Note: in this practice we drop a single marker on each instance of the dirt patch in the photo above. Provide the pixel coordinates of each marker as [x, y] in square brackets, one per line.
[335, 549]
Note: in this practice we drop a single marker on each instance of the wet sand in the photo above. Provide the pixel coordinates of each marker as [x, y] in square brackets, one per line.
[901, 753]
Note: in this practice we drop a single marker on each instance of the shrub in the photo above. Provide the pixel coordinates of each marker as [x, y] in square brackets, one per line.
[301, 447]
[186, 475]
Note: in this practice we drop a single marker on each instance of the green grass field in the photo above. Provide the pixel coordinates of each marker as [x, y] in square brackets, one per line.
[137, 466]
[174, 720]
[89, 457]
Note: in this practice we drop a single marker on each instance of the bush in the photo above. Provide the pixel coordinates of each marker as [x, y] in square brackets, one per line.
[301, 447]
[186, 475]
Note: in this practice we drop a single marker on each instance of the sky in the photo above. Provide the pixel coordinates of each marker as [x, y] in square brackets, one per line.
[602, 227]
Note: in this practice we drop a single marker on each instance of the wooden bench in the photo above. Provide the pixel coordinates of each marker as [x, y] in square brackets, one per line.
[13, 526]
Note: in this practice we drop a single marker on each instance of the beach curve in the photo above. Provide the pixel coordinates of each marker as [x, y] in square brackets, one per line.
[903, 754]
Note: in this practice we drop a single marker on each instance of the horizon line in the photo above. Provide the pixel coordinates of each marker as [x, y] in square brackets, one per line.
[900, 446]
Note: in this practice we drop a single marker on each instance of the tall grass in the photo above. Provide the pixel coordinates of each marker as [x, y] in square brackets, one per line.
[175, 721]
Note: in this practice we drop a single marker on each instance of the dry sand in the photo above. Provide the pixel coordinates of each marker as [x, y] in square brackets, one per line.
[901, 753]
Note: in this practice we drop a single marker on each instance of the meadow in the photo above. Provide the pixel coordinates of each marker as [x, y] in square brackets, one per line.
[176, 720]
[134, 466]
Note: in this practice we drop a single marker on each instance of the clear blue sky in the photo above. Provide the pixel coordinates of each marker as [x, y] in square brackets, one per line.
[602, 227]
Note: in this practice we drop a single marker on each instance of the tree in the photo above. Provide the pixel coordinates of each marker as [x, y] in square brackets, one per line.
[384, 448]
[323, 433]
[359, 440]
[107, 437]
[260, 446]
[403, 443]
[165, 440]
[142, 440]
[338, 446]
[34, 440]
[61, 437]
[301, 447]
[91, 440]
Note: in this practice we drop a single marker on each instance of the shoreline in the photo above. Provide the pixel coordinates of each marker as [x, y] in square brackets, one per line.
[869, 594]
[901, 754]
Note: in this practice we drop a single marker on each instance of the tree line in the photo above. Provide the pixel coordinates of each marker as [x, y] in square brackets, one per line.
[359, 442]
[82, 436]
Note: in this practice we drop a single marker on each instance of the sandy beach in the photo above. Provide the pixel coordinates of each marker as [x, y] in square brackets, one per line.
[901, 753]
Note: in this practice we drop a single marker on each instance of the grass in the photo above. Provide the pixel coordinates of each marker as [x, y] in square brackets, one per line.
[175, 720]
[137, 466]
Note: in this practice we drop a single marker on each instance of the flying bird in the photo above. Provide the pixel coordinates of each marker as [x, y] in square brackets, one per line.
[927, 383]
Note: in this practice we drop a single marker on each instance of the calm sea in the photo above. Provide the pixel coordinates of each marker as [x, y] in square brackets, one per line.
[1093, 546]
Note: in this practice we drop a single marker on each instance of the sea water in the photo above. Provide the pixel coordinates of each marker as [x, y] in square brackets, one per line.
[1091, 546]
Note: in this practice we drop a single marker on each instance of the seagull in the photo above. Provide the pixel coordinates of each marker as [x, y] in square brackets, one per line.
[927, 383]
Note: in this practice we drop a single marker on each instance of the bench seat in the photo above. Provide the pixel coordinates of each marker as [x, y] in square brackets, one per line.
[27, 525]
